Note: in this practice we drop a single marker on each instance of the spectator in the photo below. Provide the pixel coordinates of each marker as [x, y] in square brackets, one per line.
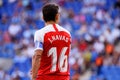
[94, 27]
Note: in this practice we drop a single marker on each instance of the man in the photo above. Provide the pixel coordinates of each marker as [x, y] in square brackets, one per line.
[50, 60]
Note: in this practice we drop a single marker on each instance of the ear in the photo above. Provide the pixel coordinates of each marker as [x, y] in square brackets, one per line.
[57, 17]
[42, 18]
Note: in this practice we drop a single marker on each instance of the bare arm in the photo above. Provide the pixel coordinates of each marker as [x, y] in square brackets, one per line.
[36, 63]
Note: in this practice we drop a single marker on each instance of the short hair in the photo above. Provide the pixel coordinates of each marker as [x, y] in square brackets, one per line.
[49, 12]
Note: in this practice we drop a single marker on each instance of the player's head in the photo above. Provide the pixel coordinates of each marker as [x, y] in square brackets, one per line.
[50, 12]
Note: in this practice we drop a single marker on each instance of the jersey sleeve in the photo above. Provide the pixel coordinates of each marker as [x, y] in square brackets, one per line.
[38, 41]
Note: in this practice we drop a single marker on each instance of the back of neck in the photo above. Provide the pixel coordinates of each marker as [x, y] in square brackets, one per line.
[50, 22]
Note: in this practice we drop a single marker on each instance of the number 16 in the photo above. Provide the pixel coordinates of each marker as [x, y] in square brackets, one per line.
[62, 59]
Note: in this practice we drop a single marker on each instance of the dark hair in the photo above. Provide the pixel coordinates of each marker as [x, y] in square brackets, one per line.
[49, 12]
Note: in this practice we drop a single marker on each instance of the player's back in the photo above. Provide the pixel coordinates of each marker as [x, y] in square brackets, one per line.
[56, 47]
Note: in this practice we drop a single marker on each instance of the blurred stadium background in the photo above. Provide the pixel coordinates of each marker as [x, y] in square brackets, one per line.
[95, 30]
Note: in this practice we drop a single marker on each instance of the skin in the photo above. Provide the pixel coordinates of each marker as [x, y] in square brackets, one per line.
[36, 63]
[38, 53]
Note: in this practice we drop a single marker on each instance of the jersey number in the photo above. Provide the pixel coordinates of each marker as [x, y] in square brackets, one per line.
[63, 63]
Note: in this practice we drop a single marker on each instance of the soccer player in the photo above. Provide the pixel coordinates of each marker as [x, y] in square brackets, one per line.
[52, 42]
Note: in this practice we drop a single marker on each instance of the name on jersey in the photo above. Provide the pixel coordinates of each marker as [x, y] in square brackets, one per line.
[58, 37]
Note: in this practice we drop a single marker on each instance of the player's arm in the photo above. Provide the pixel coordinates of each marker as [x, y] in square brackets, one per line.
[37, 55]
[36, 63]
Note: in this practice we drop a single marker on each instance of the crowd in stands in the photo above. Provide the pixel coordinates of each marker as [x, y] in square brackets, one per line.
[94, 26]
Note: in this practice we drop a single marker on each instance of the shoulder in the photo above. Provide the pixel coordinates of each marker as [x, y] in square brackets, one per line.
[39, 34]
[44, 30]
[40, 31]
[63, 29]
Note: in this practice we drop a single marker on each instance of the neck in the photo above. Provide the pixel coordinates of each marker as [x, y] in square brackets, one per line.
[50, 22]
